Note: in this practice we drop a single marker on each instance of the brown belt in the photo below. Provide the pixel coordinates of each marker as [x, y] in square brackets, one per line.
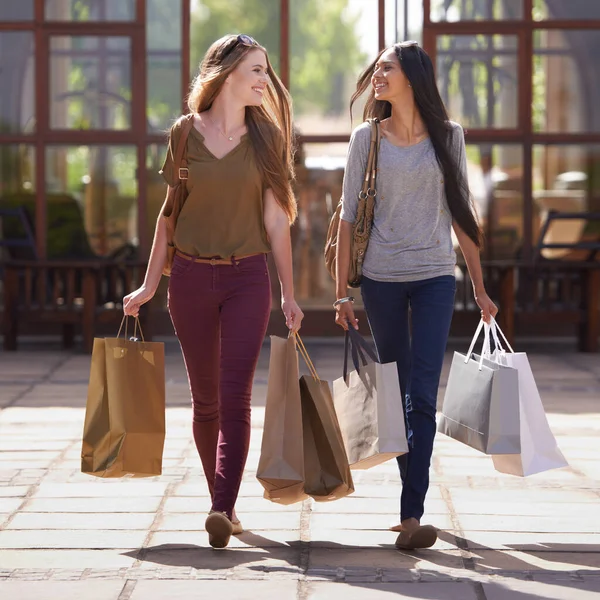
[234, 260]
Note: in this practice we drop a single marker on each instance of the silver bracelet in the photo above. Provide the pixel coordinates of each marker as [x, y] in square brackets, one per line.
[342, 300]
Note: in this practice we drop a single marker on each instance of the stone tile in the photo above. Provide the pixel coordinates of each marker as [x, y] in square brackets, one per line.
[8, 505]
[491, 560]
[12, 491]
[65, 559]
[366, 539]
[370, 521]
[384, 558]
[534, 495]
[389, 591]
[513, 589]
[71, 539]
[510, 540]
[244, 505]
[240, 590]
[251, 521]
[247, 539]
[524, 509]
[76, 521]
[97, 488]
[147, 504]
[61, 590]
[388, 506]
[548, 524]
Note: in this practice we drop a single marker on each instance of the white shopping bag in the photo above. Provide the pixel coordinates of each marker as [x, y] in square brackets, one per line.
[539, 451]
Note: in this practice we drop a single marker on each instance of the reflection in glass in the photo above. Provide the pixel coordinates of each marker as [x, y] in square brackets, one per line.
[163, 51]
[90, 10]
[561, 9]
[566, 179]
[17, 90]
[483, 10]
[90, 82]
[92, 199]
[566, 81]
[17, 11]
[17, 191]
[477, 77]
[212, 19]
[495, 175]
[330, 44]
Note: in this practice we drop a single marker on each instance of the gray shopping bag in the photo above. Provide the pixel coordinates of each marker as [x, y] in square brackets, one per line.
[481, 404]
[368, 403]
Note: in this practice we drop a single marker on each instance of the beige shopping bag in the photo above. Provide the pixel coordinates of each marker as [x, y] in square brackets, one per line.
[326, 470]
[124, 430]
[368, 403]
[281, 464]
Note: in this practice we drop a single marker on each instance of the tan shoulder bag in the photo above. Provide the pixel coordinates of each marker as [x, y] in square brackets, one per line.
[361, 229]
[178, 194]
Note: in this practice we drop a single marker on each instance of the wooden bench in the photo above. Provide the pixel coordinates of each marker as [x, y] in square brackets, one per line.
[77, 295]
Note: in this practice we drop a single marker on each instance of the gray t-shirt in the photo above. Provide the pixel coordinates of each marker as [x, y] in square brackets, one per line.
[411, 236]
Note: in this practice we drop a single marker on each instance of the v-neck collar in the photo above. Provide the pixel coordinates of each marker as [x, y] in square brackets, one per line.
[208, 150]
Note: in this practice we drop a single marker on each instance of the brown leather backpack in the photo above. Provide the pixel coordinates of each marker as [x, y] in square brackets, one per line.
[361, 229]
[178, 194]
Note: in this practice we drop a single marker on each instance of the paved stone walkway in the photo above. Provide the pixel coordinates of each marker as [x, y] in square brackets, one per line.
[64, 535]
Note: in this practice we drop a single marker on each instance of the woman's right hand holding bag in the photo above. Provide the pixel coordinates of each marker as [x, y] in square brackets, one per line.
[345, 314]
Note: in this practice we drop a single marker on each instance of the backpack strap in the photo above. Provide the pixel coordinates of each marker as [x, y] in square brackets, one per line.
[180, 161]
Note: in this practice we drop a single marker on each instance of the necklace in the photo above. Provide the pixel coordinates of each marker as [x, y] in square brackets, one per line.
[229, 137]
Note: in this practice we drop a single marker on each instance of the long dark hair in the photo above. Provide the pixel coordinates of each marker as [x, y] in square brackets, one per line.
[418, 68]
[269, 125]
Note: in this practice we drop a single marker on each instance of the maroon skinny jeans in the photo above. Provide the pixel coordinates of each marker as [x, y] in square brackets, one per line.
[220, 315]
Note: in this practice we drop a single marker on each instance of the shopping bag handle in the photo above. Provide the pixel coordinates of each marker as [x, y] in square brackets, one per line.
[485, 350]
[495, 329]
[304, 353]
[137, 325]
[358, 346]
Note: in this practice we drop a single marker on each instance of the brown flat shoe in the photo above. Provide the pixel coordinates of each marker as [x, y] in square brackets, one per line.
[423, 536]
[237, 528]
[219, 529]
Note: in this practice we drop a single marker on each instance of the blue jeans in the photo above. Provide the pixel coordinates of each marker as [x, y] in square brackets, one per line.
[418, 348]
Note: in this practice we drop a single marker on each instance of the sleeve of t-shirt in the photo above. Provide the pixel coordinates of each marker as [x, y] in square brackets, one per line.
[358, 152]
[168, 168]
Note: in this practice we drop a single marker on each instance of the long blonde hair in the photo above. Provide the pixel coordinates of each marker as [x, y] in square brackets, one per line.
[269, 125]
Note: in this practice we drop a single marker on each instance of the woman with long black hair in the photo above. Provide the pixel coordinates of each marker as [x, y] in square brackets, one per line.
[422, 194]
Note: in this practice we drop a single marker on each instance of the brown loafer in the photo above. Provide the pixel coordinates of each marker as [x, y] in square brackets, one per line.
[219, 529]
[423, 536]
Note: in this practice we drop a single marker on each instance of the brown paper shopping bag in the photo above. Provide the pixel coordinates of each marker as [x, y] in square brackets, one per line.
[326, 470]
[124, 430]
[281, 464]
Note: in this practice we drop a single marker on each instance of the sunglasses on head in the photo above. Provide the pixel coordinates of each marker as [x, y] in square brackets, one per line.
[244, 40]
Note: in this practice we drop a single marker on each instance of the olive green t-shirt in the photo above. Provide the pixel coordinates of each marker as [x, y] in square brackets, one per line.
[223, 213]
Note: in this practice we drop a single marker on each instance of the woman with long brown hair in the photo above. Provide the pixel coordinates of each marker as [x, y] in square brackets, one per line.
[408, 282]
[239, 208]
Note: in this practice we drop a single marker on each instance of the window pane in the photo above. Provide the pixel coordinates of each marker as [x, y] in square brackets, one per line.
[90, 10]
[17, 92]
[330, 44]
[163, 39]
[565, 179]
[566, 93]
[92, 200]
[90, 82]
[477, 76]
[17, 11]
[212, 19]
[483, 10]
[403, 21]
[495, 175]
[320, 171]
[17, 190]
[559, 9]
